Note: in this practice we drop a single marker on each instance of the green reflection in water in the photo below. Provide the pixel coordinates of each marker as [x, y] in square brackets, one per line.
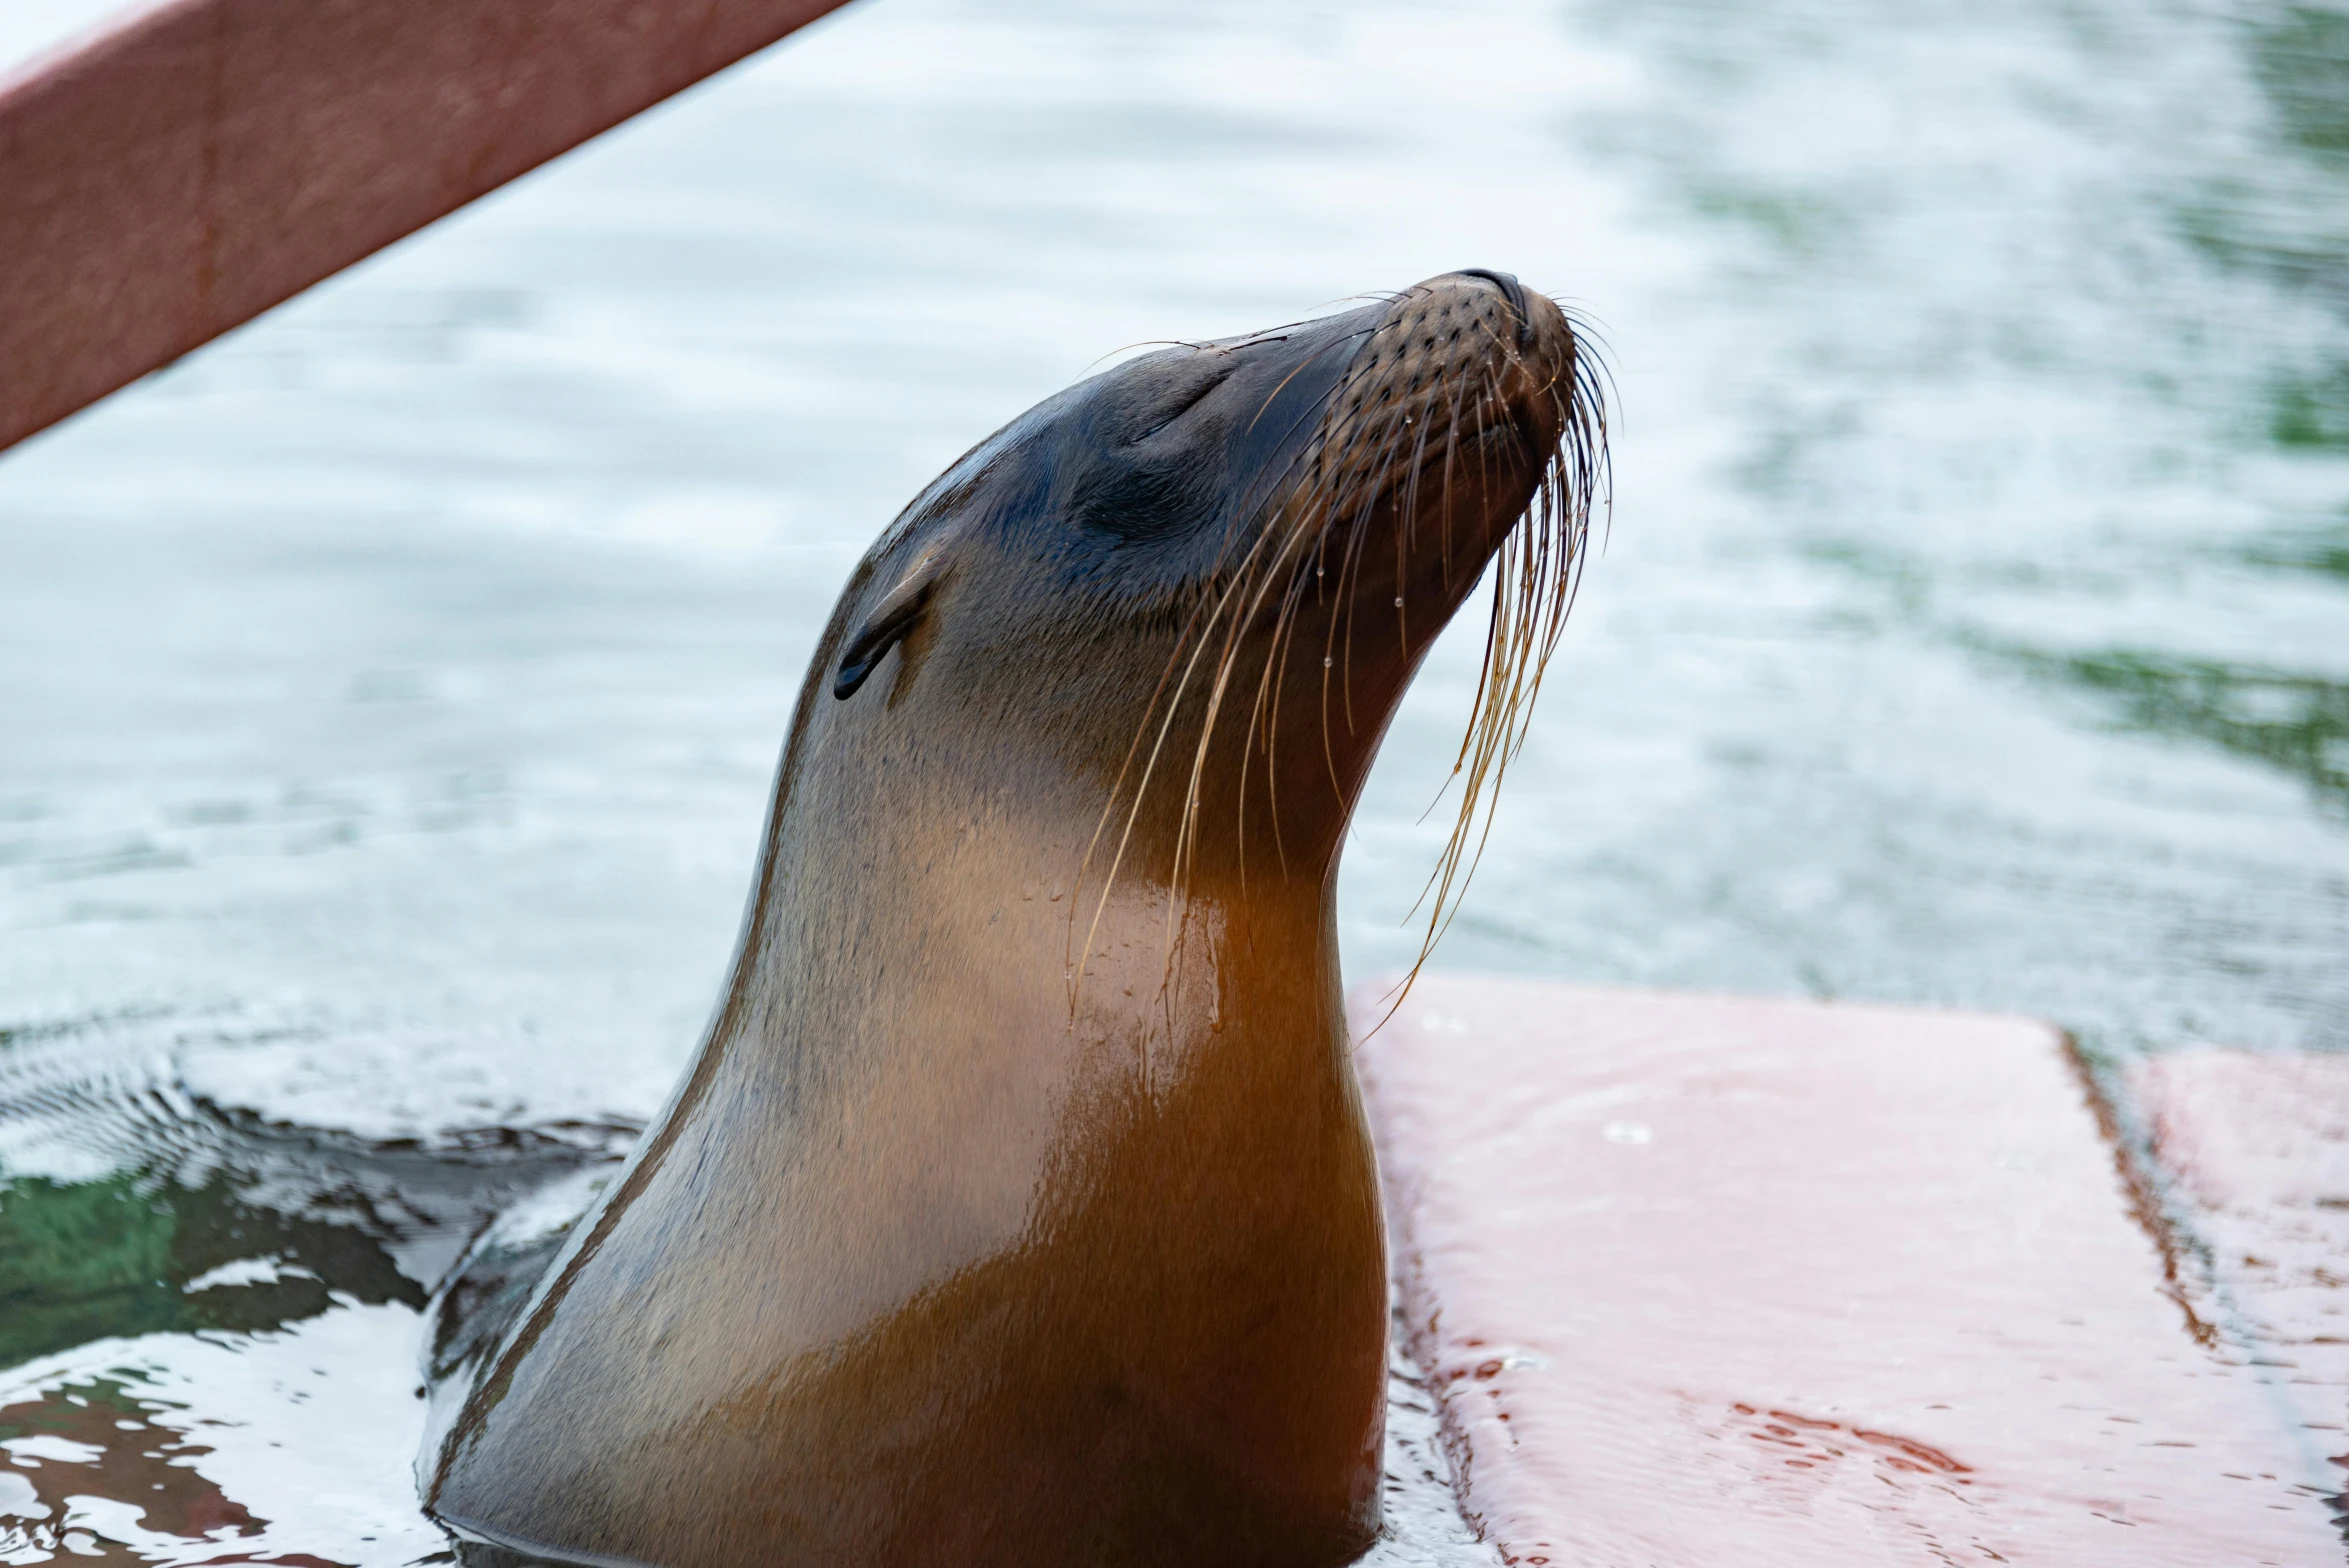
[2311, 410]
[2271, 232]
[2322, 552]
[2301, 54]
[88, 1260]
[1802, 225]
[2292, 225]
[2285, 214]
[2299, 723]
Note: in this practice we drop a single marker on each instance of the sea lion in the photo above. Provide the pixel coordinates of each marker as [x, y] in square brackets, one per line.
[1019, 1207]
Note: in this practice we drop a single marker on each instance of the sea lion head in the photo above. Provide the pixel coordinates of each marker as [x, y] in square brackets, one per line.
[1205, 577]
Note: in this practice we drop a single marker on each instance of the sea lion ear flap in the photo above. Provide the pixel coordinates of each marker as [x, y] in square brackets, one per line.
[899, 611]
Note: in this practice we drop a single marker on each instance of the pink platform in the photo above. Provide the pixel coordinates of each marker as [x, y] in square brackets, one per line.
[1725, 1281]
[2254, 1152]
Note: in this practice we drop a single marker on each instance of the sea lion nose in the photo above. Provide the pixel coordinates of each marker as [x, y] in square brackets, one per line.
[1512, 291]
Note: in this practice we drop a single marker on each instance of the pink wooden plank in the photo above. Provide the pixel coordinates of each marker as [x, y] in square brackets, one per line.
[1713, 1280]
[2252, 1152]
[209, 158]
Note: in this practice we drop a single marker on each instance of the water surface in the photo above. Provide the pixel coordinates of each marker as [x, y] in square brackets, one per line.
[388, 693]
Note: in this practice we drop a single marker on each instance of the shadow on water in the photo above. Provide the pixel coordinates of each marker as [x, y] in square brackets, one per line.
[214, 1219]
[131, 1255]
[2282, 216]
[2301, 53]
[2320, 552]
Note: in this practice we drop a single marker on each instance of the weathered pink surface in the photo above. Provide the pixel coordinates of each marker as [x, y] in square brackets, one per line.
[2253, 1159]
[1711, 1280]
[208, 158]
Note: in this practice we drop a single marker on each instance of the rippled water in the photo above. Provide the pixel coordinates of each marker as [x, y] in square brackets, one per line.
[388, 694]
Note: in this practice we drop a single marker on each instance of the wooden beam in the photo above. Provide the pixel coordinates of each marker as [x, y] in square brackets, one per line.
[207, 159]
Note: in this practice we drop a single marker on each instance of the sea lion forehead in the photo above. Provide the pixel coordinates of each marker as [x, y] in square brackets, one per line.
[1229, 403]
[1291, 368]
[1234, 405]
[1138, 482]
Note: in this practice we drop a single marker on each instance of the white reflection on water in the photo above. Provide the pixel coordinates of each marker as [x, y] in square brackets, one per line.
[312, 1426]
[390, 691]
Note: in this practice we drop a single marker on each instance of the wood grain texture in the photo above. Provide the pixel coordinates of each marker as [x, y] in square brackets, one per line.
[207, 159]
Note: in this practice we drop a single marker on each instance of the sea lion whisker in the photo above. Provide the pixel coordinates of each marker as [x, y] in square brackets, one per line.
[1247, 614]
[1393, 432]
[1142, 729]
[1217, 689]
[1260, 716]
[1258, 732]
[1492, 632]
[1196, 645]
[1384, 435]
[1307, 364]
[1444, 485]
[1187, 656]
[1110, 354]
[1350, 560]
[1328, 652]
[1313, 544]
[1538, 572]
[1208, 606]
[1402, 514]
[1288, 541]
[1125, 838]
[1270, 687]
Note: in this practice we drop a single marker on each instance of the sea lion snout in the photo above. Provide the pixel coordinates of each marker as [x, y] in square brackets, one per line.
[1514, 292]
[1452, 409]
